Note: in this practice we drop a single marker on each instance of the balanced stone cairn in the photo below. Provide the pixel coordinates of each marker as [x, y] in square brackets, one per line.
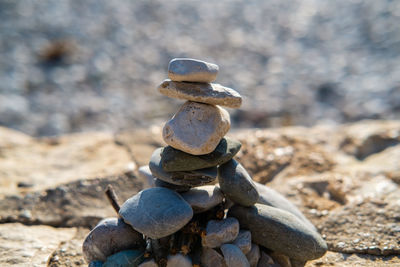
[186, 218]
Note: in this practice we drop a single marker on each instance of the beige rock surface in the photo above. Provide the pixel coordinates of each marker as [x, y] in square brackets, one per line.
[197, 128]
[352, 199]
[209, 93]
[192, 70]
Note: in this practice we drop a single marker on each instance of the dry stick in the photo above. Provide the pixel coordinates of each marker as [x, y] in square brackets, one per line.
[112, 197]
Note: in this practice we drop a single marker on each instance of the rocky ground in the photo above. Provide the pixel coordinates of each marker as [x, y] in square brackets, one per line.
[70, 66]
[344, 178]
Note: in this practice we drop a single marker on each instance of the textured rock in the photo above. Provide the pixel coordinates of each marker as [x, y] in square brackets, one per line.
[177, 188]
[269, 196]
[192, 70]
[126, 258]
[266, 261]
[175, 160]
[209, 93]
[97, 245]
[145, 174]
[233, 256]
[243, 241]
[197, 128]
[237, 184]
[203, 198]
[156, 212]
[179, 260]
[220, 232]
[280, 231]
[253, 255]
[211, 258]
[186, 178]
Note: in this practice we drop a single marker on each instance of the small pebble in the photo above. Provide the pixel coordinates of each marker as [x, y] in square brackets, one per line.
[146, 176]
[203, 198]
[233, 256]
[178, 260]
[148, 263]
[220, 232]
[211, 258]
[266, 261]
[243, 241]
[177, 188]
[192, 70]
[126, 258]
[253, 255]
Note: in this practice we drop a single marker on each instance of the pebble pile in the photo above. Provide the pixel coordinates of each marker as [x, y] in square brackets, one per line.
[186, 218]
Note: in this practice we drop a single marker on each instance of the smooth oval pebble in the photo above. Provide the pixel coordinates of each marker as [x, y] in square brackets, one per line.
[97, 245]
[237, 184]
[179, 260]
[266, 261]
[156, 212]
[233, 256]
[243, 241]
[176, 160]
[280, 231]
[146, 176]
[174, 187]
[208, 93]
[148, 263]
[253, 255]
[203, 198]
[211, 258]
[219, 232]
[192, 70]
[187, 178]
[197, 128]
[269, 196]
[126, 258]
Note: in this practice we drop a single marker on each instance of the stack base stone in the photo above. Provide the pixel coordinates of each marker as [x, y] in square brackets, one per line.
[197, 128]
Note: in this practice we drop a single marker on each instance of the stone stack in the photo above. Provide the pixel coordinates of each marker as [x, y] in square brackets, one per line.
[185, 218]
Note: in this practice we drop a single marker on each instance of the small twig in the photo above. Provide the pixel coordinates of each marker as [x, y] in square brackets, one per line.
[112, 197]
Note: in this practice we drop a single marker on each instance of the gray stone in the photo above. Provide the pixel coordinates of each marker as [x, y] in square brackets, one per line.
[237, 184]
[126, 258]
[253, 255]
[266, 261]
[148, 263]
[186, 178]
[233, 256]
[97, 245]
[177, 188]
[269, 196]
[203, 198]
[211, 258]
[96, 264]
[178, 260]
[176, 160]
[220, 232]
[146, 176]
[192, 70]
[280, 231]
[197, 128]
[156, 212]
[209, 93]
[243, 241]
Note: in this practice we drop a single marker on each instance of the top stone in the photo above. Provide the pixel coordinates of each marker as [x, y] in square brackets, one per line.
[192, 70]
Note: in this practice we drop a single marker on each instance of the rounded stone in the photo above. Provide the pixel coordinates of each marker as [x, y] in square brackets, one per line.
[192, 70]
[208, 93]
[179, 260]
[253, 255]
[233, 256]
[174, 187]
[126, 258]
[185, 178]
[148, 263]
[219, 232]
[280, 231]
[146, 176]
[97, 245]
[95, 264]
[176, 160]
[243, 241]
[203, 198]
[269, 196]
[237, 184]
[197, 128]
[211, 258]
[156, 212]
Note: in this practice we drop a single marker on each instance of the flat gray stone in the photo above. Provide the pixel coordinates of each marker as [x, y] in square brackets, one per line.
[197, 128]
[233, 256]
[203, 198]
[179, 260]
[237, 184]
[176, 160]
[269, 196]
[126, 258]
[97, 245]
[243, 241]
[192, 70]
[220, 232]
[211, 258]
[146, 176]
[253, 255]
[280, 231]
[186, 178]
[156, 212]
[177, 188]
[209, 93]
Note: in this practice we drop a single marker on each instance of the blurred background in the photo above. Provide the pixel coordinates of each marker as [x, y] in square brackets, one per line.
[70, 66]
